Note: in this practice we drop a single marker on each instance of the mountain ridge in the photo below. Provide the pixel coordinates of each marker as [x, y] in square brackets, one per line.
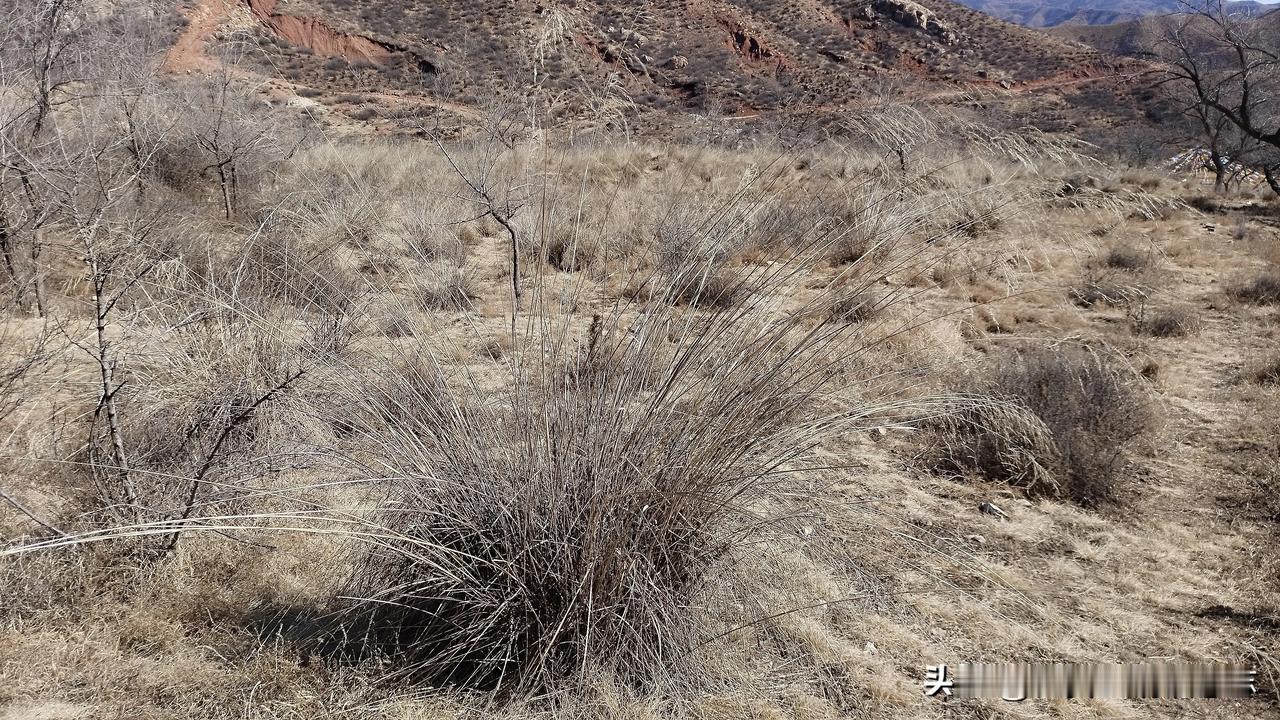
[1058, 13]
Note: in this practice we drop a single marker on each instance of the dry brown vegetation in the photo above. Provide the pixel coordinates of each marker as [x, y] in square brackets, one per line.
[1055, 421]
[533, 424]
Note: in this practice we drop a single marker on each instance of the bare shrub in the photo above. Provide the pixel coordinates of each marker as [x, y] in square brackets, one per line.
[1126, 257]
[1102, 289]
[1262, 290]
[1265, 371]
[1167, 322]
[442, 285]
[1055, 422]
[855, 308]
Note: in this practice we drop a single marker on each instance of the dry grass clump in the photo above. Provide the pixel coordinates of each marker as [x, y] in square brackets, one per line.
[425, 241]
[1054, 422]
[278, 268]
[1126, 257]
[855, 308]
[567, 250]
[554, 521]
[867, 228]
[718, 287]
[1255, 457]
[1265, 371]
[444, 285]
[694, 267]
[979, 215]
[1262, 290]
[1168, 322]
[21, 355]
[1100, 289]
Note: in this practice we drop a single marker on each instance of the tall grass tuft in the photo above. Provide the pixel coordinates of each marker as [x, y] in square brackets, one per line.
[568, 511]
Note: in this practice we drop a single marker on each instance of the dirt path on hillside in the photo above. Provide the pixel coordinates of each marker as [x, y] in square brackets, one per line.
[188, 53]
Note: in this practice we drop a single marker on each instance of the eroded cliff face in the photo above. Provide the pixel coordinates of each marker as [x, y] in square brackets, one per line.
[320, 37]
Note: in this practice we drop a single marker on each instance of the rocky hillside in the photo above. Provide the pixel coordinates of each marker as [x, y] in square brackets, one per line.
[728, 57]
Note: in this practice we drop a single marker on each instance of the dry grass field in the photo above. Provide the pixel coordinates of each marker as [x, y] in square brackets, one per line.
[300, 421]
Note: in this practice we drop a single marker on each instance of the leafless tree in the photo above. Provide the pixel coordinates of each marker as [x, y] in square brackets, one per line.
[490, 187]
[1228, 65]
[229, 135]
[41, 55]
[1227, 146]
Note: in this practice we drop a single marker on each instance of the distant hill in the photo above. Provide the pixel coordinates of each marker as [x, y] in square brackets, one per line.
[1055, 13]
[1136, 37]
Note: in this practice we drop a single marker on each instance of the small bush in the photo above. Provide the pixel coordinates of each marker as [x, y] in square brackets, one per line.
[1053, 422]
[1100, 290]
[718, 288]
[1126, 257]
[445, 286]
[856, 308]
[865, 230]
[1262, 290]
[977, 217]
[1170, 322]
[426, 241]
[1205, 204]
[567, 250]
[294, 272]
[1265, 372]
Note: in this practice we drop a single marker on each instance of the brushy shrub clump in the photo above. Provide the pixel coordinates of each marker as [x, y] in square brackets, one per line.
[1101, 289]
[1262, 290]
[1126, 257]
[1169, 322]
[1054, 422]
[856, 308]
[1266, 371]
[442, 285]
[567, 250]
[558, 520]
[867, 228]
